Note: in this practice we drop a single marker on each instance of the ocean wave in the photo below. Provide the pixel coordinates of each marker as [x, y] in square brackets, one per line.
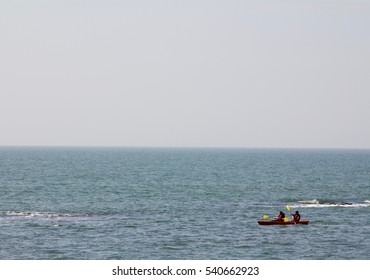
[326, 203]
[31, 214]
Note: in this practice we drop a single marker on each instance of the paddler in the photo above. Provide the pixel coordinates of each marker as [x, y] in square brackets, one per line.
[281, 216]
[296, 216]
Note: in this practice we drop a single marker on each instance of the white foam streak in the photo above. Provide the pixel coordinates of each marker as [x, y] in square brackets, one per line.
[27, 214]
[315, 203]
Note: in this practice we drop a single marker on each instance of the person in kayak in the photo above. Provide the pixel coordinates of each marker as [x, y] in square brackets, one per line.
[296, 217]
[281, 216]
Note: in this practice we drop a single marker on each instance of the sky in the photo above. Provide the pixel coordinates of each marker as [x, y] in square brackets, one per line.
[194, 73]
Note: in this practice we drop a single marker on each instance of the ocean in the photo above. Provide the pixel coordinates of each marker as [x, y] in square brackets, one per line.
[91, 203]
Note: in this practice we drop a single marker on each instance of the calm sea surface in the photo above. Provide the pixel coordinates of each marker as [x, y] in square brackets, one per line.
[143, 203]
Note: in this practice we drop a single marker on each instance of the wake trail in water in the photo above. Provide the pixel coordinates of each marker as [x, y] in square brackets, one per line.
[36, 214]
[320, 203]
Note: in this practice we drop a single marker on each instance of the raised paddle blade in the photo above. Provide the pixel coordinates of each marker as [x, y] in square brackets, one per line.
[287, 207]
[265, 217]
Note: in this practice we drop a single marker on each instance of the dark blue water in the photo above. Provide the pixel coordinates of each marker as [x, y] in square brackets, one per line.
[142, 203]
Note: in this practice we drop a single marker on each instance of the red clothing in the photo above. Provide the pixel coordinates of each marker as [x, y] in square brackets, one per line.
[280, 217]
[296, 217]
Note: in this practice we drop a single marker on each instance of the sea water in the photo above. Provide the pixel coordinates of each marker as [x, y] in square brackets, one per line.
[182, 203]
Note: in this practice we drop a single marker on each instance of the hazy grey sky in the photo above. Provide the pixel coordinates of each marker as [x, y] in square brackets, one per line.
[232, 73]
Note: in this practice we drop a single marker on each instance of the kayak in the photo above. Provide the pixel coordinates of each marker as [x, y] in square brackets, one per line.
[281, 223]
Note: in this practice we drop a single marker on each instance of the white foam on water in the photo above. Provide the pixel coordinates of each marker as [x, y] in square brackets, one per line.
[315, 203]
[28, 214]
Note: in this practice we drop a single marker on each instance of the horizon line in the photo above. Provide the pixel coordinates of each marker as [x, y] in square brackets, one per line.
[186, 147]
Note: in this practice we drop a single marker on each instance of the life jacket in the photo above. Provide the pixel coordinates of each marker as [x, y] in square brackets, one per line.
[281, 216]
[296, 217]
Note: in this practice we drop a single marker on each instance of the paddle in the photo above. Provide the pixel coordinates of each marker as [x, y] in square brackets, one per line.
[285, 219]
[288, 208]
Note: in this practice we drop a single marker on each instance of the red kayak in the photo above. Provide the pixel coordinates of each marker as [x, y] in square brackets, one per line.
[281, 223]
